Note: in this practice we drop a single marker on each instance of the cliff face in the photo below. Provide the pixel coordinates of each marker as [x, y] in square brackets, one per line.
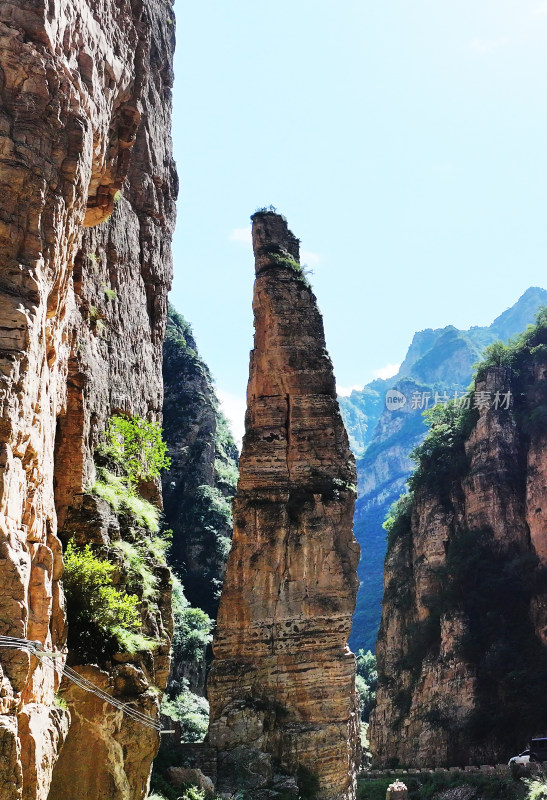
[462, 651]
[282, 684]
[85, 113]
[438, 361]
[200, 484]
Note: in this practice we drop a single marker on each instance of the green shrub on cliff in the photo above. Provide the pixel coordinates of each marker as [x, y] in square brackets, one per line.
[136, 445]
[226, 474]
[135, 448]
[124, 499]
[225, 446]
[287, 261]
[96, 608]
[140, 578]
[399, 519]
[441, 457]
[520, 351]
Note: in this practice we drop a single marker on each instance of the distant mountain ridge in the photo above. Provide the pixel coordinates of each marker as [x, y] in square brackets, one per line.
[438, 360]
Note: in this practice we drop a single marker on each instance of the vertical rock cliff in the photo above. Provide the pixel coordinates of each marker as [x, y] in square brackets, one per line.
[438, 362]
[462, 656]
[200, 484]
[84, 126]
[282, 684]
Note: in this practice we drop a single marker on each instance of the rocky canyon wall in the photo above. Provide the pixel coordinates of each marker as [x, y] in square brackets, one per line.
[85, 144]
[199, 485]
[462, 654]
[438, 362]
[282, 684]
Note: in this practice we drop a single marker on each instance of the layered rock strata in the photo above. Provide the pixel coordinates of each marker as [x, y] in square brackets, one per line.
[282, 684]
[462, 651]
[85, 116]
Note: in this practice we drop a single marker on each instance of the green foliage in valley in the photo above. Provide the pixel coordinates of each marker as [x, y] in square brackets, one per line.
[191, 635]
[191, 710]
[366, 682]
[193, 628]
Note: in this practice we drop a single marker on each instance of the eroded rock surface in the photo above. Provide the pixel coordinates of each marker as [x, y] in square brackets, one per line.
[461, 650]
[282, 685]
[84, 114]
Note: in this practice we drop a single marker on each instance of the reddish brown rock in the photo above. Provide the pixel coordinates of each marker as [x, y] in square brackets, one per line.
[457, 663]
[282, 685]
[118, 751]
[84, 113]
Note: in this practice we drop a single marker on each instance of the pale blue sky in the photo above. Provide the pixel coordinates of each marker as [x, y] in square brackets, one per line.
[404, 140]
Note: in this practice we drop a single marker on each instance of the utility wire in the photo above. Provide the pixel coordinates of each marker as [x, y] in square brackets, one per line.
[49, 660]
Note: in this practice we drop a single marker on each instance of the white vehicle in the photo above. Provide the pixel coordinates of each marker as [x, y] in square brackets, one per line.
[524, 758]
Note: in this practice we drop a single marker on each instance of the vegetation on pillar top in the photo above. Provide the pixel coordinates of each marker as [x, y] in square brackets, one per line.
[271, 229]
[268, 211]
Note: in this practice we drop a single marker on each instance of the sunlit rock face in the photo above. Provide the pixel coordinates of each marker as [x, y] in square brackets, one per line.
[282, 684]
[84, 118]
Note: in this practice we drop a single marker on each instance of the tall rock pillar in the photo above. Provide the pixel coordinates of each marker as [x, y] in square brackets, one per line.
[282, 685]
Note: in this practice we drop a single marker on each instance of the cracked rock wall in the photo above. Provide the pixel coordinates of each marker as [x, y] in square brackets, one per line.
[84, 114]
[282, 684]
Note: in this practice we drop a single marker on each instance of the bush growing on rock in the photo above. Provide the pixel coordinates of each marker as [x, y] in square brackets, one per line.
[136, 445]
[95, 606]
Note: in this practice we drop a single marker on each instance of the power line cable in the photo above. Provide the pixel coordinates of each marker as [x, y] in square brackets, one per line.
[49, 659]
